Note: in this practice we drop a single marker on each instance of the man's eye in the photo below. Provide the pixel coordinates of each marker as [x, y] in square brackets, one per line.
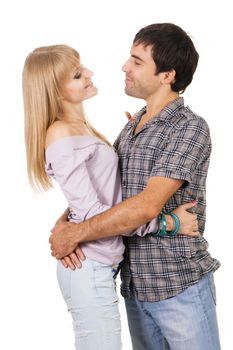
[78, 75]
[137, 63]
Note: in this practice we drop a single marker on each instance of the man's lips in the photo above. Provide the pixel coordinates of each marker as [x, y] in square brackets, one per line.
[128, 80]
[89, 85]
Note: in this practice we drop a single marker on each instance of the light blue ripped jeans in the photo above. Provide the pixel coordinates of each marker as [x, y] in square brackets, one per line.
[91, 298]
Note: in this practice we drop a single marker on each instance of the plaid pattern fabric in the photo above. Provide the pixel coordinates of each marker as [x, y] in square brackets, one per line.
[176, 144]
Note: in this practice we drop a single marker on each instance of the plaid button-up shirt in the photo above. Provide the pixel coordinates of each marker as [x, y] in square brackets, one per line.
[176, 144]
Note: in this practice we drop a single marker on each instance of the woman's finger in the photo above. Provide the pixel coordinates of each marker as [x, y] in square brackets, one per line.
[64, 263]
[128, 115]
[69, 262]
[80, 254]
[188, 205]
[75, 260]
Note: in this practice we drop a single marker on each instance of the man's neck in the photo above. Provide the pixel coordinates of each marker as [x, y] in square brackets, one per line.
[155, 104]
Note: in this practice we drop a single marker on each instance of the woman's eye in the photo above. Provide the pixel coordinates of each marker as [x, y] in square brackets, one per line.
[78, 75]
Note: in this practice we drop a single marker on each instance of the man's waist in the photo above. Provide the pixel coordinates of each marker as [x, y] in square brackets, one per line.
[154, 246]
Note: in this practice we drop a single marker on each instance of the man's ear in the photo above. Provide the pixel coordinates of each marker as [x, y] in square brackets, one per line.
[169, 77]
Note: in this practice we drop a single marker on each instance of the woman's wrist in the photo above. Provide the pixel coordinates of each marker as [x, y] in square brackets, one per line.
[169, 223]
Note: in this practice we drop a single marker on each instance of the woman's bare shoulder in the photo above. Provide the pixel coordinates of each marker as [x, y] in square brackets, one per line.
[57, 131]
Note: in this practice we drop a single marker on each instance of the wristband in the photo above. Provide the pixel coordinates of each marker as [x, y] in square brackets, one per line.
[162, 226]
[162, 231]
[176, 224]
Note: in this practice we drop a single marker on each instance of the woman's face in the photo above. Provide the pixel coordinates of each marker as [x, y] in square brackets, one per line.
[78, 86]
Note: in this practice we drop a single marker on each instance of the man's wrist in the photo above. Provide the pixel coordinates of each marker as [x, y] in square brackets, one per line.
[78, 232]
[63, 217]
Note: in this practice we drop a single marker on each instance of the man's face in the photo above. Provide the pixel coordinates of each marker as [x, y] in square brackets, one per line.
[140, 70]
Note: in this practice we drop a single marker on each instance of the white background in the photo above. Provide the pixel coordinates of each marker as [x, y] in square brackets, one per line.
[32, 312]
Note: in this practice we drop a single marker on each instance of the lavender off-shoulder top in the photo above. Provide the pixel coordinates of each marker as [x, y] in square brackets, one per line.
[87, 171]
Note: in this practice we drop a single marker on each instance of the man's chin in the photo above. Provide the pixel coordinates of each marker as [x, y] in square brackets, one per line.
[129, 92]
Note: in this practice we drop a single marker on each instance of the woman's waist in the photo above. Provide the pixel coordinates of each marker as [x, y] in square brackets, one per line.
[108, 250]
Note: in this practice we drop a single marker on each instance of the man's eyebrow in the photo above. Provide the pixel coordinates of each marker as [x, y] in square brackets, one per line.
[137, 58]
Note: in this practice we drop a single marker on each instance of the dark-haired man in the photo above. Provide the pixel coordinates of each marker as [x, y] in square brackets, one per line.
[167, 281]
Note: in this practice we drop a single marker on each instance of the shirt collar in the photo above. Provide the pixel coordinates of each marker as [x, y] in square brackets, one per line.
[165, 114]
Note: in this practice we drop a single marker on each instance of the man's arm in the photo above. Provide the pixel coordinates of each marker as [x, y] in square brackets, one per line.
[63, 217]
[75, 258]
[120, 219]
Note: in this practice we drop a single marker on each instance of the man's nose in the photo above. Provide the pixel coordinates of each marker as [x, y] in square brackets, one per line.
[125, 66]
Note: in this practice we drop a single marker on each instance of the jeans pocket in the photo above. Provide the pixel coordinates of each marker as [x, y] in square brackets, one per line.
[104, 282]
[212, 287]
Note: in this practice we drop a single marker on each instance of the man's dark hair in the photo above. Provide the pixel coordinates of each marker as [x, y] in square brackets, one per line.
[172, 48]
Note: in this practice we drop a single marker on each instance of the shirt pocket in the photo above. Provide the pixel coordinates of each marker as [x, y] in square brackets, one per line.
[149, 149]
[150, 153]
[144, 157]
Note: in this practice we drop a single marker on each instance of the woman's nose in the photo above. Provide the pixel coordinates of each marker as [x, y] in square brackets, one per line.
[88, 73]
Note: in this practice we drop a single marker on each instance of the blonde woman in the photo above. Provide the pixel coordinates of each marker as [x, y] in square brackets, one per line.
[62, 145]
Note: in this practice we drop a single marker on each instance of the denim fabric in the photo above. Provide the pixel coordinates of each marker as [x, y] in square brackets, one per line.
[91, 298]
[185, 322]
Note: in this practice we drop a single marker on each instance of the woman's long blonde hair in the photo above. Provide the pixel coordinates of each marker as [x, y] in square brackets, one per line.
[44, 72]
